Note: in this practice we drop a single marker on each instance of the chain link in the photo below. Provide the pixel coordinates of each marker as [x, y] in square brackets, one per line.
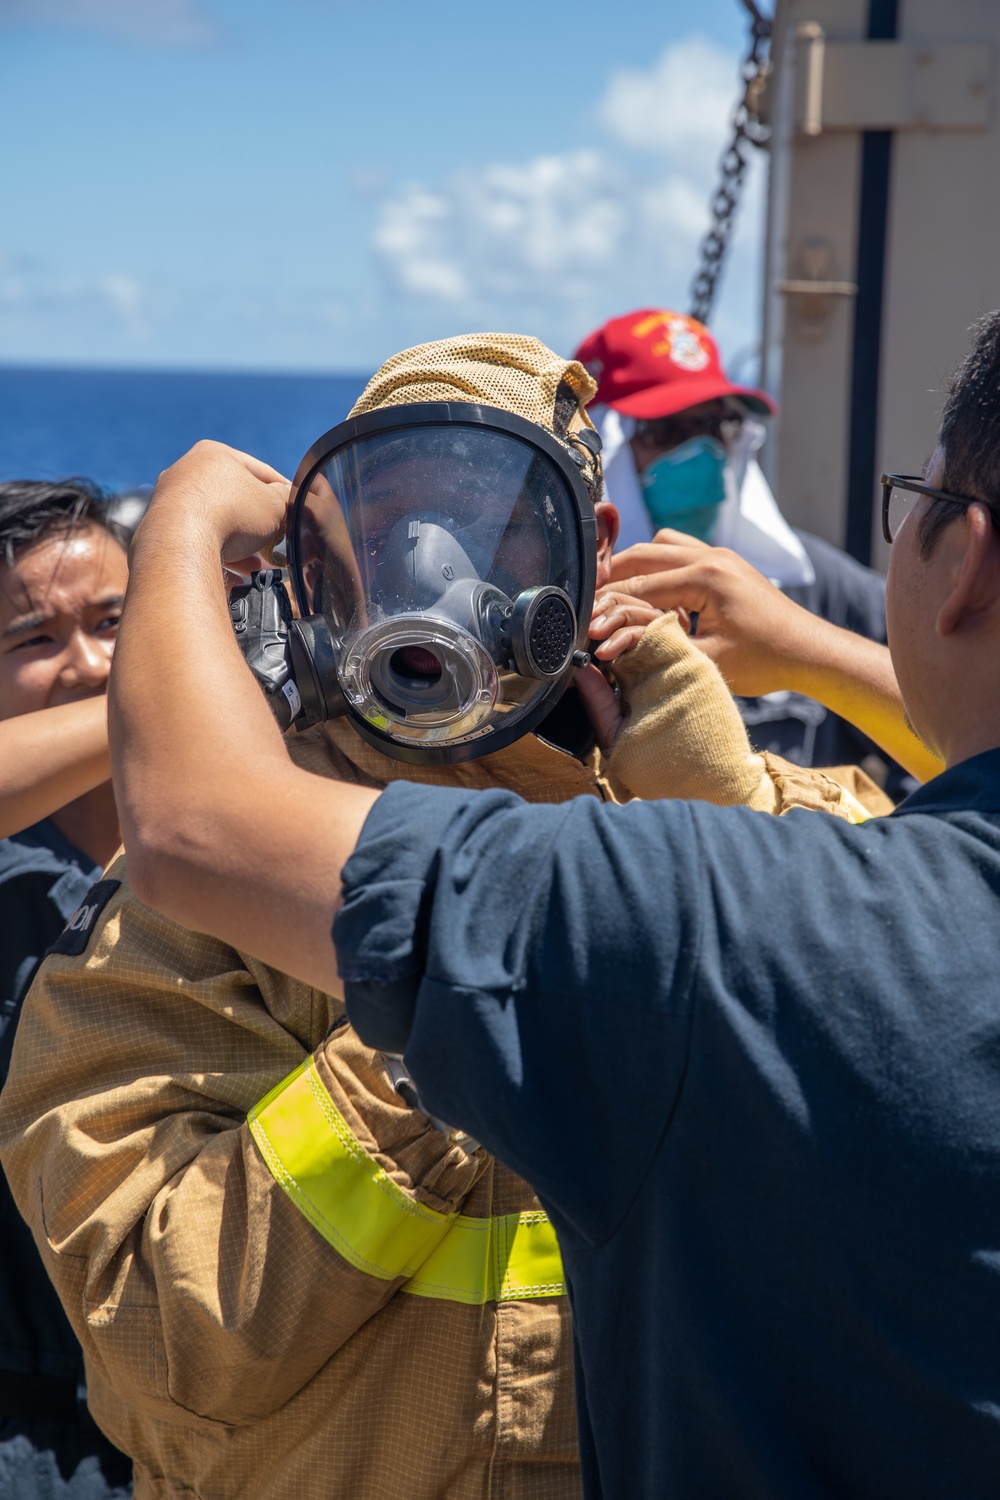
[749, 130]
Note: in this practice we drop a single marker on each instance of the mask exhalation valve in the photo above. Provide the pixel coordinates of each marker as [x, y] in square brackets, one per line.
[542, 631]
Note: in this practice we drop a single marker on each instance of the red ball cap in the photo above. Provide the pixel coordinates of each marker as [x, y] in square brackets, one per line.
[654, 363]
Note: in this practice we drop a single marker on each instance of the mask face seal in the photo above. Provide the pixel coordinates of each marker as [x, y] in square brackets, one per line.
[443, 557]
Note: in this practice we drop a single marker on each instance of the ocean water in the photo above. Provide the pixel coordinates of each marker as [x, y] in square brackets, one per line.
[122, 427]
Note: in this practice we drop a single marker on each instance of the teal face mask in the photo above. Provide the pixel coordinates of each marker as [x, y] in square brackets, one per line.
[685, 487]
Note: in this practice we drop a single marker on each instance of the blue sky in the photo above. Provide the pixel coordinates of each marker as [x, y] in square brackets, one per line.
[314, 184]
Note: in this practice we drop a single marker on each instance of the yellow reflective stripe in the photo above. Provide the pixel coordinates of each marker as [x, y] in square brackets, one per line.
[336, 1185]
[503, 1259]
[855, 810]
[381, 1230]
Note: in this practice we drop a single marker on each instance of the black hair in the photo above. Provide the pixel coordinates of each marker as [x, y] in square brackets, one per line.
[970, 433]
[32, 509]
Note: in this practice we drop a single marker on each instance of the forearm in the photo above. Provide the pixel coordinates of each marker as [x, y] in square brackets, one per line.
[854, 677]
[762, 642]
[50, 758]
[223, 833]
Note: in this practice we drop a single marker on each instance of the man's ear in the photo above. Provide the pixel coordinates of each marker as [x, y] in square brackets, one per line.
[608, 525]
[975, 572]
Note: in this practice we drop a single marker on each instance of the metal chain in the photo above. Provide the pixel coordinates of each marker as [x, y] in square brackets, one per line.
[749, 130]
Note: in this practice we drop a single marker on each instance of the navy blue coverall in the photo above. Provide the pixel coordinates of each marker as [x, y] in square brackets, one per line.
[50, 1447]
[751, 1065]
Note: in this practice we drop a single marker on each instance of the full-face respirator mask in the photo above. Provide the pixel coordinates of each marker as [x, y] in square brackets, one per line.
[443, 559]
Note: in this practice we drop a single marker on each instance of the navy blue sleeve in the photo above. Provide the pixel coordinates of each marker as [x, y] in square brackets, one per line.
[535, 963]
[575, 985]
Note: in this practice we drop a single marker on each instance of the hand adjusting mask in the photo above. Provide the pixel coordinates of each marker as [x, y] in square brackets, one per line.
[443, 557]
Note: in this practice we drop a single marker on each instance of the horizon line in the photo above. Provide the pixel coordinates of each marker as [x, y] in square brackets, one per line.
[250, 372]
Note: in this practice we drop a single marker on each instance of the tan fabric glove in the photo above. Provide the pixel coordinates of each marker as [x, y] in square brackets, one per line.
[683, 735]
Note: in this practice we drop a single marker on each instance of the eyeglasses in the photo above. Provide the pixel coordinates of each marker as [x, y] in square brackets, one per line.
[670, 432]
[900, 493]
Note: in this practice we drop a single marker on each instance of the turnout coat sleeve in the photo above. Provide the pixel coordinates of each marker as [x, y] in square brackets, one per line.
[192, 1279]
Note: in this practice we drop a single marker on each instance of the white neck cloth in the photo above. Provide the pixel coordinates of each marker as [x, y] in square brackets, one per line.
[750, 522]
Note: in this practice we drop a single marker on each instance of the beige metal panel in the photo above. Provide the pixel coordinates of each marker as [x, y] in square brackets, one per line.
[812, 235]
[942, 260]
[897, 85]
[942, 263]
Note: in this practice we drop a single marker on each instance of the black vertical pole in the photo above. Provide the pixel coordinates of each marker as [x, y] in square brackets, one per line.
[876, 155]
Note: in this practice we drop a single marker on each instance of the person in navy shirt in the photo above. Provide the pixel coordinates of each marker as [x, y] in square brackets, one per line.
[750, 1064]
[63, 570]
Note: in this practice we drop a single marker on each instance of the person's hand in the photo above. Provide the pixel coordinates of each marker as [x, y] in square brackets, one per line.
[745, 623]
[241, 501]
[618, 623]
[601, 705]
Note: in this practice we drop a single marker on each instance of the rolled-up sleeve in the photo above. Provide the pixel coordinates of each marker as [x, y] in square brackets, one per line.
[380, 932]
[534, 964]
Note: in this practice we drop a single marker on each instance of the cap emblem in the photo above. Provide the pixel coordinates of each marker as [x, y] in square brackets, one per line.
[682, 343]
[683, 346]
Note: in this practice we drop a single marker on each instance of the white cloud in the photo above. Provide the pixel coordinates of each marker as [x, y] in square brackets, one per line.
[674, 205]
[167, 23]
[551, 230]
[115, 300]
[555, 243]
[543, 227]
[681, 104]
[413, 237]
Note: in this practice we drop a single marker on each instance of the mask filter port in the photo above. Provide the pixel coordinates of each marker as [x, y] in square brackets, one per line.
[415, 665]
[420, 674]
[543, 632]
